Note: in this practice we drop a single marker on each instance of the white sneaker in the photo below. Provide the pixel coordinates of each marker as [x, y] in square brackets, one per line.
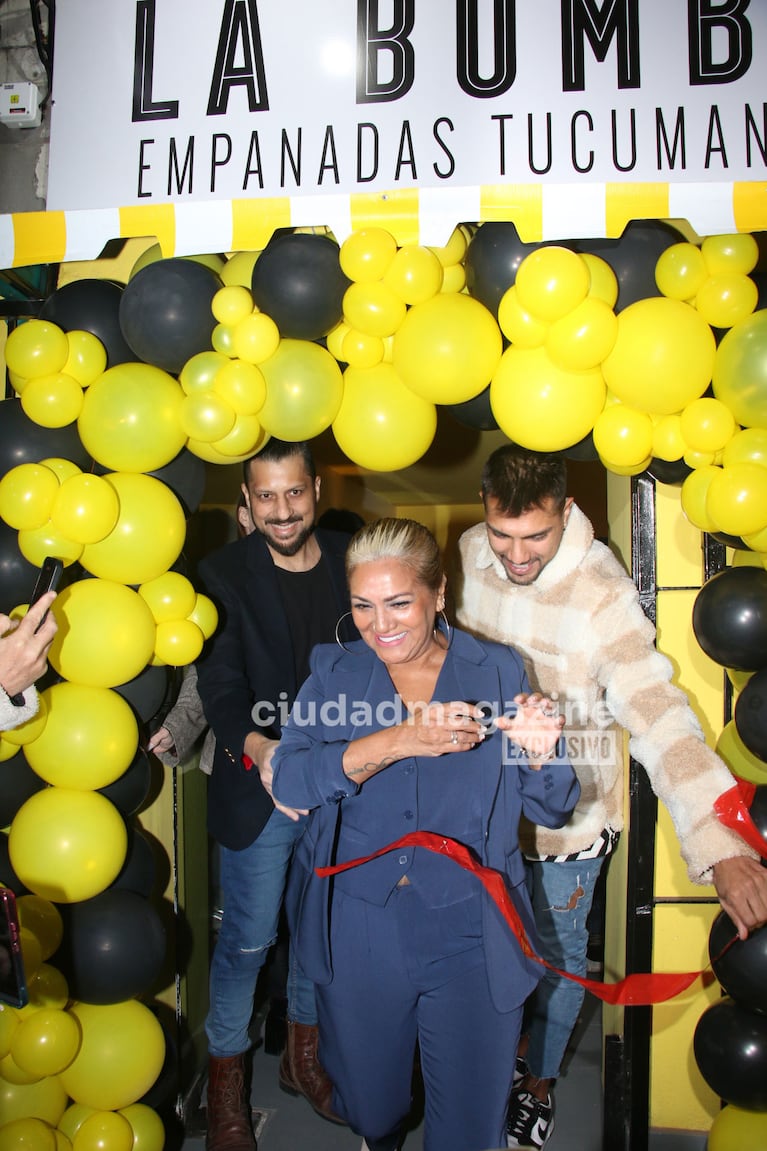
[530, 1122]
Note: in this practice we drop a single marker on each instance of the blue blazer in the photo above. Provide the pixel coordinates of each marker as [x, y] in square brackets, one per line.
[308, 773]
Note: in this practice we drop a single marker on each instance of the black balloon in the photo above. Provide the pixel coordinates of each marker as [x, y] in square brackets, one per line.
[668, 471]
[757, 809]
[583, 450]
[113, 947]
[130, 791]
[91, 306]
[17, 575]
[751, 717]
[740, 967]
[8, 876]
[633, 257]
[165, 312]
[492, 260]
[139, 872]
[18, 783]
[146, 691]
[476, 412]
[730, 541]
[185, 476]
[297, 280]
[730, 1045]
[729, 618]
[22, 441]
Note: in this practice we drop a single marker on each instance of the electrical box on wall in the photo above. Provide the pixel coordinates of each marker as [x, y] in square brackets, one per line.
[19, 105]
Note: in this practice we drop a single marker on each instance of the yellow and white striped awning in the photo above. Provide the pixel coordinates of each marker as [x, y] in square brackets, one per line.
[413, 216]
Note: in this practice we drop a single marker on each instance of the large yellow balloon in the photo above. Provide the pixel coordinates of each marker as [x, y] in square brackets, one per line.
[551, 281]
[107, 635]
[735, 1129]
[740, 371]
[45, 1100]
[304, 387]
[67, 845]
[381, 424]
[130, 420]
[46, 1042]
[27, 495]
[148, 536]
[662, 358]
[447, 349]
[36, 348]
[85, 508]
[737, 499]
[747, 446]
[540, 406]
[90, 738]
[121, 1055]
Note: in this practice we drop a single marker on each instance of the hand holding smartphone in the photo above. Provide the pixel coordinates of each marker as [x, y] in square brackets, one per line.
[48, 579]
[13, 986]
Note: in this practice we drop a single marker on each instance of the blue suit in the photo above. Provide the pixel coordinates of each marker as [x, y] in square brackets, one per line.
[431, 959]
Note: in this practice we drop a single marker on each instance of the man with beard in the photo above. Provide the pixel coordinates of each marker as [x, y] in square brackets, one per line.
[279, 591]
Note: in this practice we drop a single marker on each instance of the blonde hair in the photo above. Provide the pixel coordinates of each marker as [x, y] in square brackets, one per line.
[398, 539]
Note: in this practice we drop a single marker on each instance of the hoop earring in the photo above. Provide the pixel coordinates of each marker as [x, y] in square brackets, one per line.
[448, 628]
[339, 641]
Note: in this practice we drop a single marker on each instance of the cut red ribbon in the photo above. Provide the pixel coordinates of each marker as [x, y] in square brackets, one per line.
[732, 807]
[640, 989]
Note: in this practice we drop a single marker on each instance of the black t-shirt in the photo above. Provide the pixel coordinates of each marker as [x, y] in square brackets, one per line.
[311, 610]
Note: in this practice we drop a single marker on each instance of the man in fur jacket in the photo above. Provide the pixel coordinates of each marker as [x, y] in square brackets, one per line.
[532, 575]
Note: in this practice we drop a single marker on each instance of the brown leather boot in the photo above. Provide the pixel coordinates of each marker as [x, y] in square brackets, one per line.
[301, 1072]
[229, 1125]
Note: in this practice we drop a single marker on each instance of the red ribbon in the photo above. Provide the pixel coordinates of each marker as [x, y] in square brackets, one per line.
[732, 810]
[639, 989]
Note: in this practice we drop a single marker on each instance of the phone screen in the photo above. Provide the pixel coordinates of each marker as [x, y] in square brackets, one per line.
[13, 987]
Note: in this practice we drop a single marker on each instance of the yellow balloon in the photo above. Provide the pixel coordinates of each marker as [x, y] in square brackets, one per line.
[755, 540]
[43, 919]
[452, 253]
[169, 596]
[212, 455]
[623, 436]
[694, 496]
[231, 304]
[47, 987]
[107, 635]
[73, 1118]
[415, 274]
[335, 338]
[551, 281]
[667, 441]
[222, 339]
[85, 508]
[625, 469]
[27, 1135]
[604, 283]
[242, 386]
[680, 271]
[37, 543]
[662, 357]
[255, 338]
[45, 1100]
[540, 406]
[747, 446]
[130, 419]
[10, 1020]
[53, 401]
[32, 729]
[707, 424]
[47, 1042]
[361, 350]
[67, 845]
[374, 308]
[121, 1055]
[737, 499]
[238, 269]
[27, 494]
[304, 387]
[150, 255]
[737, 677]
[147, 1127]
[36, 348]
[521, 327]
[366, 255]
[178, 642]
[206, 416]
[87, 357]
[453, 278]
[64, 469]
[104, 1131]
[205, 615]
[31, 954]
[90, 738]
[200, 371]
[738, 252]
[12, 1073]
[381, 424]
[739, 759]
[245, 438]
[447, 349]
[148, 536]
[583, 337]
[740, 371]
[726, 300]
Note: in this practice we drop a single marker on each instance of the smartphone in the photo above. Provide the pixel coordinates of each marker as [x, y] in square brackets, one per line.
[13, 985]
[48, 579]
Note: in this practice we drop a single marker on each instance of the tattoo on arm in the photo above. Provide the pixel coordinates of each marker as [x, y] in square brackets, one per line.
[367, 769]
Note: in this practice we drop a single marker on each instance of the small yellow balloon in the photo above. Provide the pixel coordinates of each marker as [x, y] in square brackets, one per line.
[707, 424]
[90, 738]
[366, 255]
[53, 401]
[87, 357]
[205, 615]
[147, 1127]
[47, 1042]
[170, 596]
[48, 987]
[604, 283]
[623, 436]
[738, 252]
[453, 278]
[747, 446]
[206, 416]
[667, 440]
[335, 339]
[73, 1118]
[105, 636]
[415, 274]
[374, 308]
[28, 1134]
[9, 1022]
[85, 508]
[46, 1100]
[222, 339]
[521, 327]
[255, 338]
[737, 499]
[452, 253]
[238, 269]
[244, 439]
[680, 271]
[551, 281]
[104, 1131]
[725, 300]
[37, 543]
[583, 337]
[242, 386]
[199, 372]
[178, 642]
[27, 494]
[694, 496]
[36, 348]
[757, 541]
[231, 304]
[43, 919]
[361, 350]
[31, 729]
[64, 469]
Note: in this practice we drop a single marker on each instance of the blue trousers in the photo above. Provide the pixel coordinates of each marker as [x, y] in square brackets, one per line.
[252, 884]
[405, 973]
[561, 895]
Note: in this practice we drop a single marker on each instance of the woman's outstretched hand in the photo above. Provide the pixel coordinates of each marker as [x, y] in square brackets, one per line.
[536, 727]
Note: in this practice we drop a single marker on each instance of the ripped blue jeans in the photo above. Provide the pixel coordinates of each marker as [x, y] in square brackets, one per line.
[252, 884]
[561, 895]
